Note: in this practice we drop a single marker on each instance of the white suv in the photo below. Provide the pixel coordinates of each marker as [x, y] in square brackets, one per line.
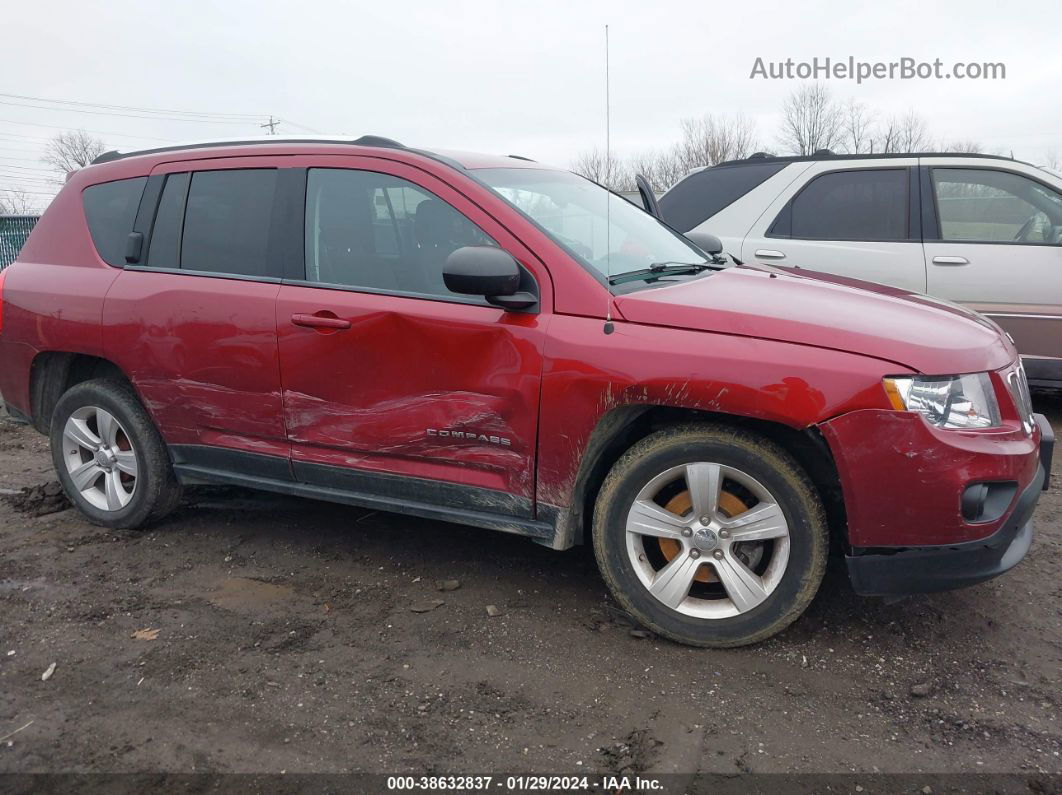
[979, 230]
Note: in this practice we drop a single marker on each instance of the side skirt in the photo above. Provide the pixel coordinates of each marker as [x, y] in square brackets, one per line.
[193, 466]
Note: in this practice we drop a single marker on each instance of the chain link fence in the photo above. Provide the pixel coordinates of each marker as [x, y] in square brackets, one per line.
[14, 229]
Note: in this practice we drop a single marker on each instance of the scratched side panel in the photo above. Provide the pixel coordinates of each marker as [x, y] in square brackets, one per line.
[203, 354]
[48, 307]
[588, 374]
[53, 292]
[427, 389]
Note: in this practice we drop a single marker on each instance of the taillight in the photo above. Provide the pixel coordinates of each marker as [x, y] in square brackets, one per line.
[2, 275]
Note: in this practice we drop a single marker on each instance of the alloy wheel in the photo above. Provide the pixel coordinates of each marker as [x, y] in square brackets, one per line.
[707, 540]
[100, 458]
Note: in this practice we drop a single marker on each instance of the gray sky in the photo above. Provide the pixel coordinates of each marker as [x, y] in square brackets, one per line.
[524, 78]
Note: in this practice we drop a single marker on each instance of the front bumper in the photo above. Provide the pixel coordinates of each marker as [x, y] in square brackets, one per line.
[926, 569]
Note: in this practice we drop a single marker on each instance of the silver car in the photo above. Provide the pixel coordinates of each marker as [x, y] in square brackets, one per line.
[978, 230]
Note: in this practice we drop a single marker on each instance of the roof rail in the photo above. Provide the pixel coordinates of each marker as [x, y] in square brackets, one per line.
[365, 140]
[378, 140]
[825, 154]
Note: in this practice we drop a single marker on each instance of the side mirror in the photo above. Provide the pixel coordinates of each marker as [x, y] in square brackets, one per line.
[489, 272]
[706, 242]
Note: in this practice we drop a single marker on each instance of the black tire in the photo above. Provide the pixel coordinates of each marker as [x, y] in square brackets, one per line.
[156, 492]
[763, 460]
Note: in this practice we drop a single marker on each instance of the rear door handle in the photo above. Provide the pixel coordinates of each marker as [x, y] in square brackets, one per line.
[769, 253]
[322, 320]
[950, 261]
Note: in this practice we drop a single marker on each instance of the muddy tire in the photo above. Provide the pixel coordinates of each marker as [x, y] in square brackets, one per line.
[110, 459]
[710, 536]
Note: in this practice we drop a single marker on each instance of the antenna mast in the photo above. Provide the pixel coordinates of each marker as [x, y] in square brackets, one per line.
[609, 327]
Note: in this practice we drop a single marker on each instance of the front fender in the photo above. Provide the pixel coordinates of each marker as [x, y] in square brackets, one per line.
[588, 375]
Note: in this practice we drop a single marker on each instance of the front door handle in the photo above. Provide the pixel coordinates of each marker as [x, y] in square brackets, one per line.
[950, 261]
[769, 253]
[321, 320]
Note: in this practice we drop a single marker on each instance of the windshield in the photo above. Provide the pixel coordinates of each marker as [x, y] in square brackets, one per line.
[605, 231]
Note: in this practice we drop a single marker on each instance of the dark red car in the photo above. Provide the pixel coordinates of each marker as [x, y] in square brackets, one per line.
[491, 341]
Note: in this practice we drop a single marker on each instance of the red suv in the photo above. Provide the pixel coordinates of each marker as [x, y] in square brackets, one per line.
[491, 341]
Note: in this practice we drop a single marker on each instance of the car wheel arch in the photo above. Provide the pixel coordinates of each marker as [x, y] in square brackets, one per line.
[53, 373]
[622, 427]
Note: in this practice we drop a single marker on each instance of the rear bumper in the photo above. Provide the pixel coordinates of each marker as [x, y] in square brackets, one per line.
[927, 569]
[15, 362]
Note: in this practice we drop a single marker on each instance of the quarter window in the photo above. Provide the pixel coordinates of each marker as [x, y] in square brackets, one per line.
[987, 205]
[227, 222]
[110, 209]
[379, 232]
[869, 204]
[704, 193]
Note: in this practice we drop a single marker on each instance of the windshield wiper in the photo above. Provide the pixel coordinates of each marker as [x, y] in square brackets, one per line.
[657, 269]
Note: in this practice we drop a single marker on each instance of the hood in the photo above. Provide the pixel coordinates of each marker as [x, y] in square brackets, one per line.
[920, 332]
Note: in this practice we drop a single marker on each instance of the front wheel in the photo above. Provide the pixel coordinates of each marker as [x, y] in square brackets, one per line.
[710, 536]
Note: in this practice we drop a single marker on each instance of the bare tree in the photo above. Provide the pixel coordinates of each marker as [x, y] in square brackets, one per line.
[957, 146]
[712, 139]
[914, 135]
[70, 151]
[669, 170]
[906, 133]
[15, 201]
[887, 137]
[857, 128]
[1053, 162]
[811, 121]
[660, 168]
[607, 170]
[966, 147]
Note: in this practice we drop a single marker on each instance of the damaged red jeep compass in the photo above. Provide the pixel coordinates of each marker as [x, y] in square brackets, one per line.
[491, 341]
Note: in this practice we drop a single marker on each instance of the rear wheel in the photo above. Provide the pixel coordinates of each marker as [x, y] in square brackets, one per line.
[111, 461]
[710, 536]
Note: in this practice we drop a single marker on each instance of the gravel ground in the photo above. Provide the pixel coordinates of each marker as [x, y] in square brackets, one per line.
[253, 633]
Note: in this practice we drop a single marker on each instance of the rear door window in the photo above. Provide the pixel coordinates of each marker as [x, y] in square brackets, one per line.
[866, 204]
[110, 209]
[227, 219]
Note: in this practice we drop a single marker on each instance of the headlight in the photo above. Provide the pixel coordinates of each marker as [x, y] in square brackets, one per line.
[960, 401]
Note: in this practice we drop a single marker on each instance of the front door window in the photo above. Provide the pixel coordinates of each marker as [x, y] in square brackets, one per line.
[990, 206]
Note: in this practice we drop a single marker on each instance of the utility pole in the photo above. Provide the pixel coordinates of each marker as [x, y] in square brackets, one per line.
[271, 124]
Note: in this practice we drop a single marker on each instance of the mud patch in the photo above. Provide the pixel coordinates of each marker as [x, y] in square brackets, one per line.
[633, 754]
[38, 588]
[244, 594]
[39, 500]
